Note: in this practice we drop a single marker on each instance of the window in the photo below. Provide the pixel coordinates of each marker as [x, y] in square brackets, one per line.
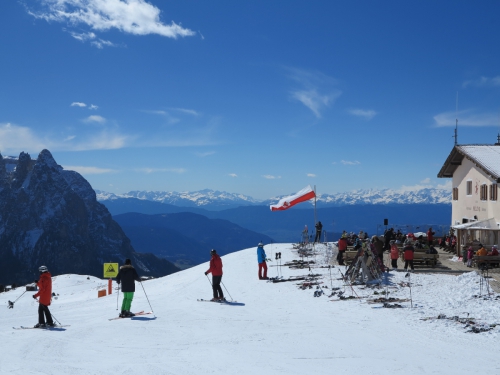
[469, 187]
[483, 192]
[493, 192]
[455, 194]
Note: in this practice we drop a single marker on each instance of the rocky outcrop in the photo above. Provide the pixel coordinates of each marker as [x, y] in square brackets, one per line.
[50, 216]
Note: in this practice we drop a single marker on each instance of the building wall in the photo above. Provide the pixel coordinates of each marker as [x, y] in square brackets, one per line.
[468, 206]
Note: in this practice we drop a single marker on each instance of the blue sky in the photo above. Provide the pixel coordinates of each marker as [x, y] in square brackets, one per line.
[254, 97]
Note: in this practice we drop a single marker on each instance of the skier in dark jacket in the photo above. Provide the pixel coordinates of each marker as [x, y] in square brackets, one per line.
[319, 229]
[127, 277]
[45, 294]
[216, 271]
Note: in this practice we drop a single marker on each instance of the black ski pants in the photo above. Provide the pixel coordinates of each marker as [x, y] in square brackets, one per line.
[44, 313]
[216, 286]
[410, 262]
[340, 257]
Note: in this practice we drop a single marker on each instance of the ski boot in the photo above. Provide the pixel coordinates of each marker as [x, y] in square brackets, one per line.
[129, 314]
[39, 325]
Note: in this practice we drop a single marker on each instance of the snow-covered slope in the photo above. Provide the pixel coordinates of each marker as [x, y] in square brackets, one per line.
[208, 198]
[278, 329]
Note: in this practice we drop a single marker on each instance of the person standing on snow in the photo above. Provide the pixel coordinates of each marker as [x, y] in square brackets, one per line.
[261, 259]
[319, 229]
[216, 271]
[394, 255]
[409, 250]
[45, 293]
[127, 275]
[342, 245]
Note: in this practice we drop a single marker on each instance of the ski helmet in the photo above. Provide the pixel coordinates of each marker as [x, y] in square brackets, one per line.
[42, 269]
[213, 252]
[261, 244]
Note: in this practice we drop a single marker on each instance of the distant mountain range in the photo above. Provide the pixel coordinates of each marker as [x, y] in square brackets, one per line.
[217, 200]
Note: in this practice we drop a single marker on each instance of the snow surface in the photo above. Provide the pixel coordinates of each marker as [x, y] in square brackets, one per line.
[280, 329]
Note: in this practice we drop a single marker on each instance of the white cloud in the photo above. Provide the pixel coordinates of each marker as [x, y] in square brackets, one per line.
[311, 175]
[78, 104]
[367, 114]
[191, 112]
[425, 181]
[271, 177]
[136, 17]
[95, 118]
[483, 82]
[347, 162]
[316, 91]
[233, 175]
[92, 106]
[18, 138]
[204, 154]
[156, 170]
[88, 170]
[466, 118]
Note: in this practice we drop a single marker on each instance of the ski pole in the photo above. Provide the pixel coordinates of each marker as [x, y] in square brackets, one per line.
[11, 304]
[209, 280]
[226, 290]
[117, 295]
[147, 298]
[409, 284]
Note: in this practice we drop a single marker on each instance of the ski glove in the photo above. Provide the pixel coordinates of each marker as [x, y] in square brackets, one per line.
[206, 273]
[36, 281]
[34, 297]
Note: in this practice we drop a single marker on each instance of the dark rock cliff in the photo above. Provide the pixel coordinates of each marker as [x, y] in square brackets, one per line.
[50, 216]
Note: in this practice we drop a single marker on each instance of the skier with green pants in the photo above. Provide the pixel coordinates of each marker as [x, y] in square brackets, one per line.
[126, 277]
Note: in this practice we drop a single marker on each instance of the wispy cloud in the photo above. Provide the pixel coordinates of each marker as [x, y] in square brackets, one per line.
[88, 170]
[204, 154]
[311, 175]
[271, 177]
[136, 17]
[191, 112]
[367, 114]
[466, 118]
[92, 106]
[347, 162]
[426, 181]
[233, 175]
[483, 82]
[19, 138]
[95, 118]
[78, 104]
[157, 170]
[316, 89]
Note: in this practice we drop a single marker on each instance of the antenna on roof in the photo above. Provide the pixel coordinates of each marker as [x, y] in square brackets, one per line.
[456, 122]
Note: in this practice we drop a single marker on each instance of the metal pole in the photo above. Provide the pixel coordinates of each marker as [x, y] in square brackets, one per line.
[147, 298]
[227, 290]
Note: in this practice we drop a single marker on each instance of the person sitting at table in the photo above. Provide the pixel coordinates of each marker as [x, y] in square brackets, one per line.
[494, 251]
[482, 251]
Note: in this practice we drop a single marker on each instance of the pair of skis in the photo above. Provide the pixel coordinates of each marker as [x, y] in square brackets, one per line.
[140, 313]
[47, 328]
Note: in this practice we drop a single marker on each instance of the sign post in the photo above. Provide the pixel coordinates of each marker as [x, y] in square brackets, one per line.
[110, 271]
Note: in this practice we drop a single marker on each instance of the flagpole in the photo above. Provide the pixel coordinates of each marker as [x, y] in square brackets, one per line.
[315, 217]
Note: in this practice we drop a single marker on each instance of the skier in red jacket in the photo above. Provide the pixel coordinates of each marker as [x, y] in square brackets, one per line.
[216, 271]
[45, 294]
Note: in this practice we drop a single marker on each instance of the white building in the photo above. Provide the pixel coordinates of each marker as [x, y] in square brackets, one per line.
[475, 174]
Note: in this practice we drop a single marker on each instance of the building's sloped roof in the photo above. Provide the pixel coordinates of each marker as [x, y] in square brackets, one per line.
[486, 157]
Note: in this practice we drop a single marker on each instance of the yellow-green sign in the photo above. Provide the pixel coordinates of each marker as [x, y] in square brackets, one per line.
[110, 270]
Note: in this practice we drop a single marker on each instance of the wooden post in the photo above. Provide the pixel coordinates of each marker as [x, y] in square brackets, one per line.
[110, 286]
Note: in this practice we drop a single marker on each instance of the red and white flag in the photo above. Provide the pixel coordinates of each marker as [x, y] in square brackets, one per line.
[287, 202]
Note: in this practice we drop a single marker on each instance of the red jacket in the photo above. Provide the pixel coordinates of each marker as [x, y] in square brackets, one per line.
[342, 244]
[394, 251]
[409, 250]
[215, 265]
[44, 288]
